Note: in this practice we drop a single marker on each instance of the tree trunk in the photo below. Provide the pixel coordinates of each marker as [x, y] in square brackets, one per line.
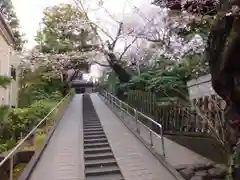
[232, 128]
[223, 57]
[123, 75]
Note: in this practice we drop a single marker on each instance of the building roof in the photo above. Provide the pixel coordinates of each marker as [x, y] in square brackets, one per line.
[82, 82]
[6, 31]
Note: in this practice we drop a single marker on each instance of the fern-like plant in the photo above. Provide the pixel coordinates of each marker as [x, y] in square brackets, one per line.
[4, 81]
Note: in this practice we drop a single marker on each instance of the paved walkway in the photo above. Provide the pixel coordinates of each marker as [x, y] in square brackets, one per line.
[134, 159]
[63, 157]
[176, 155]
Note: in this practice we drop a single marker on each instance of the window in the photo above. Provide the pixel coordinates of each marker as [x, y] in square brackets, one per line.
[13, 72]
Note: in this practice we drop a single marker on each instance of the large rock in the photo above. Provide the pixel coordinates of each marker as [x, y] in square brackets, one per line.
[216, 172]
[201, 167]
[187, 173]
[204, 174]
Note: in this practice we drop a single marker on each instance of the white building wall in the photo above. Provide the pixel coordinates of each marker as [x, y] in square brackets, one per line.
[5, 53]
[200, 87]
[14, 88]
[9, 95]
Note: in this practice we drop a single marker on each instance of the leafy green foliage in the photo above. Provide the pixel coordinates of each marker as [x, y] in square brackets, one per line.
[168, 80]
[4, 81]
[38, 84]
[10, 16]
[138, 82]
[39, 91]
[64, 30]
[4, 110]
[21, 120]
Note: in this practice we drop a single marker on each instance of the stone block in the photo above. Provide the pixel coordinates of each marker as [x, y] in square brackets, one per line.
[187, 173]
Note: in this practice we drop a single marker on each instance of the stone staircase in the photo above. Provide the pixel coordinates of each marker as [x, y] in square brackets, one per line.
[100, 163]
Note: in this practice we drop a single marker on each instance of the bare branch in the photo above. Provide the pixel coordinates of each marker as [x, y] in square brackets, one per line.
[125, 50]
[101, 29]
[117, 37]
[104, 65]
[79, 4]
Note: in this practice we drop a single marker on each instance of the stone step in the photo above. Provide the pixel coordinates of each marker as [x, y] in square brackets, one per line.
[91, 114]
[97, 150]
[106, 177]
[96, 145]
[92, 122]
[92, 128]
[91, 125]
[98, 156]
[94, 136]
[97, 140]
[94, 133]
[104, 170]
[101, 162]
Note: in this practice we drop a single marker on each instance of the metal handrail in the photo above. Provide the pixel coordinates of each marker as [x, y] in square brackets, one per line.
[15, 149]
[112, 98]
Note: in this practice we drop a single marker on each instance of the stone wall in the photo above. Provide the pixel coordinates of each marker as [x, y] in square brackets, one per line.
[19, 158]
[203, 145]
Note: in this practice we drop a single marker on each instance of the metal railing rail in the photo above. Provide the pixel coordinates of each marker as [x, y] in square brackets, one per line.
[120, 104]
[22, 141]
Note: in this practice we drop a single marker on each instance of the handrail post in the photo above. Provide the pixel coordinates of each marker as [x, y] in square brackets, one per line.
[11, 168]
[121, 109]
[114, 101]
[136, 114]
[120, 104]
[136, 118]
[151, 139]
[111, 100]
[106, 95]
[162, 140]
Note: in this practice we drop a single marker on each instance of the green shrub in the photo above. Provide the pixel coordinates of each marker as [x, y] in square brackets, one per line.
[56, 96]
[41, 108]
[4, 110]
[22, 120]
[6, 145]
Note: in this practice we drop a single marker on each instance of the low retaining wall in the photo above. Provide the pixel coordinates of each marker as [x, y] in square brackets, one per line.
[204, 146]
[20, 157]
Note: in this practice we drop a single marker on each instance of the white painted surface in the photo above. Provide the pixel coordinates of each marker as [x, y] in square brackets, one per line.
[200, 87]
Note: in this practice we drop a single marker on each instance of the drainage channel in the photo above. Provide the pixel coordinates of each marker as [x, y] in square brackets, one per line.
[100, 163]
